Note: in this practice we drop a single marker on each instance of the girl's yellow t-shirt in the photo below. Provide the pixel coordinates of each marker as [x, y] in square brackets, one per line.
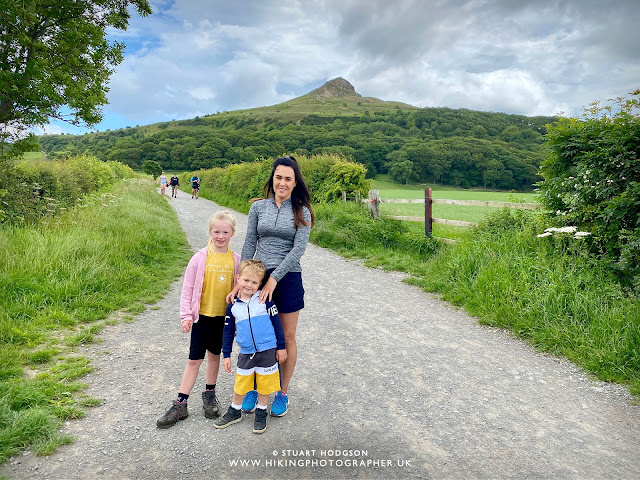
[218, 282]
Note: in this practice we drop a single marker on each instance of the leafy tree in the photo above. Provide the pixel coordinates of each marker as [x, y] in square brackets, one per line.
[54, 54]
[151, 167]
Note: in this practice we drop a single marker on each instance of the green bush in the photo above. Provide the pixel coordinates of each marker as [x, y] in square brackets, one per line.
[326, 176]
[37, 189]
[592, 181]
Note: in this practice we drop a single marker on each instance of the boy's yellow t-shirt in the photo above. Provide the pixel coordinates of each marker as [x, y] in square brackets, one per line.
[218, 282]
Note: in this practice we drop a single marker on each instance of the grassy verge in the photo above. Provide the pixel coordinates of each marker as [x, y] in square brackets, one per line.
[60, 284]
[546, 290]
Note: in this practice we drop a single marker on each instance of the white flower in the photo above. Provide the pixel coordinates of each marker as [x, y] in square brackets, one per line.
[546, 234]
[581, 234]
[569, 229]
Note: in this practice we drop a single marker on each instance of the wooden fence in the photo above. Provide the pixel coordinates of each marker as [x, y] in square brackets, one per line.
[428, 200]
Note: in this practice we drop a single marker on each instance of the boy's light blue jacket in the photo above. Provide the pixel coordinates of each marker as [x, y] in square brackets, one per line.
[256, 327]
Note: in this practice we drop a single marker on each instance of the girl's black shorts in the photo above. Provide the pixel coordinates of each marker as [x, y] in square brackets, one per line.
[206, 334]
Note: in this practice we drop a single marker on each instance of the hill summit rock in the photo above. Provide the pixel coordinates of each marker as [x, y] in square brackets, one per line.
[338, 87]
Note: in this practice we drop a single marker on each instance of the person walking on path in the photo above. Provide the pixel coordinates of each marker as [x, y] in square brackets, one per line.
[257, 330]
[175, 183]
[278, 229]
[163, 183]
[210, 274]
[195, 185]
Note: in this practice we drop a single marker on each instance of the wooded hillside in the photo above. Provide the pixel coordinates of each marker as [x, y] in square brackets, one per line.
[461, 147]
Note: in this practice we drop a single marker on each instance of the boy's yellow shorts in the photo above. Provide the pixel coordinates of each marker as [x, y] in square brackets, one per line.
[257, 372]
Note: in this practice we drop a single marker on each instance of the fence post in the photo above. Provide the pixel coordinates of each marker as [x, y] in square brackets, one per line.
[374, 203]
[428, 219]
[358, 197]
[344, 196]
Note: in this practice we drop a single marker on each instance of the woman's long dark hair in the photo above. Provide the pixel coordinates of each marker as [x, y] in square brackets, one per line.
[299, 196]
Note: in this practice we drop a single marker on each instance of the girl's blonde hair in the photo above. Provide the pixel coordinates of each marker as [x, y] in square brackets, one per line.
[221, 216]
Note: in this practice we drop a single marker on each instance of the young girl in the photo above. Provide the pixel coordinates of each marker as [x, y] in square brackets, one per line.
[209, 277]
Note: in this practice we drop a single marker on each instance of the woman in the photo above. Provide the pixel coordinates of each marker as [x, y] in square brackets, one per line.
[163, 183]
[277, 235]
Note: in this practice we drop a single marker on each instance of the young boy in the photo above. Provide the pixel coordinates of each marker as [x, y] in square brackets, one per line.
[210, 275]
[259, 334]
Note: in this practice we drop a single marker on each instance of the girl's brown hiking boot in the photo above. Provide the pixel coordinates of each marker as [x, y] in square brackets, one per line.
[210, 404]
[177, 411]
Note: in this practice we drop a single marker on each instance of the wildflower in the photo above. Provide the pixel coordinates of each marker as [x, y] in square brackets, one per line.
[569, 229]
[545, 234]
[581, 234]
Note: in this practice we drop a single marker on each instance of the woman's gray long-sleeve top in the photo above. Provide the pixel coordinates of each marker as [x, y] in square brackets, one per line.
[272, 238]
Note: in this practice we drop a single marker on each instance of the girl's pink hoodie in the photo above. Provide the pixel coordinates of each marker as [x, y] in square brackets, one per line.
[192, 285]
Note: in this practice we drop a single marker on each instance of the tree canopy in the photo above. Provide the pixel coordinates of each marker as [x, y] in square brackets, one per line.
[453, 147]
[55, 59]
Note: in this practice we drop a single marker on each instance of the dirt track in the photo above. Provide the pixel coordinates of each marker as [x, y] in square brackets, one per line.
[390, 383]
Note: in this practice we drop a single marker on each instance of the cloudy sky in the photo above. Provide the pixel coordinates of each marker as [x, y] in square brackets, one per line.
[543, 57]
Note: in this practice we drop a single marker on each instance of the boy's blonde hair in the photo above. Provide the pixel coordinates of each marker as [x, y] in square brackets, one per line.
[222, 216]
[254, 267]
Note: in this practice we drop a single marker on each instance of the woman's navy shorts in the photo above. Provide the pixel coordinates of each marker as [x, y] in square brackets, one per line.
[289, 293]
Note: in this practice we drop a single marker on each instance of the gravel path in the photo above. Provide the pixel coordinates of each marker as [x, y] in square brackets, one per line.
[390, 383]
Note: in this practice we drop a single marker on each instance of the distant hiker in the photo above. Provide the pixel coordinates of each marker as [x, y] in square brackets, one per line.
[258, 332]
[175, 183]
[163, 183]
[277, 234]
[195, 185]
[209, 276]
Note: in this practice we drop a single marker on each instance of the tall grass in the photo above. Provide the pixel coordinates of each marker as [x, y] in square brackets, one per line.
[59, 282]
[545, 290]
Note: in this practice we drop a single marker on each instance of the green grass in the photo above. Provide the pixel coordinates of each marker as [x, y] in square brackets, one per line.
[545, 290]
[451, 212]
[60, 283]
[388, 189]
[29, 156]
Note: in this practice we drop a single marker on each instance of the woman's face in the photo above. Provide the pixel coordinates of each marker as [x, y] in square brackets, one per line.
[284, 180]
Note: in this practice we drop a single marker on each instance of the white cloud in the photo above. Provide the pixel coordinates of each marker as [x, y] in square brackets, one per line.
[535, 58]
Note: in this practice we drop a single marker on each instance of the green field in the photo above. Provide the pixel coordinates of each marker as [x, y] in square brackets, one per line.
[388, 189]
[29, 156]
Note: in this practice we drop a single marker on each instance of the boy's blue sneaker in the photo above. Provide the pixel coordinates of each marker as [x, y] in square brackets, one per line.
[250, 401]
[280, 405]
